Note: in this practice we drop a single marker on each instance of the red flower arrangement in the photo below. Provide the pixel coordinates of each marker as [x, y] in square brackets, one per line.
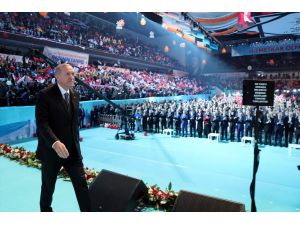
[159, 199]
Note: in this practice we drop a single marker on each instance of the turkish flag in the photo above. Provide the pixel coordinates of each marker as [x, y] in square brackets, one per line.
[244, 19]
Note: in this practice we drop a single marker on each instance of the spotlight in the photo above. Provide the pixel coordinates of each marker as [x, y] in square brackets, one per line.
[151, 34]
[143, 21]
[120, 24]
[166, 49]
[43, 14]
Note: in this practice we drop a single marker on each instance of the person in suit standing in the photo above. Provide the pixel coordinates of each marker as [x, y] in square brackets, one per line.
[163, 120]
[232, 124]
[268, 124]
[184, 123]
[289, 127]
[156, 121]
[249, 123]
[177, 122]
[192, 123]
[144, 121]
[207, 123]
[169, 119]
[199, 119]
[240, 125]
[215, 124]
[150, 121]
[224, 126]
[297, 129]
[56, 114]
[93, 116]
[81, 117]
[279, 127]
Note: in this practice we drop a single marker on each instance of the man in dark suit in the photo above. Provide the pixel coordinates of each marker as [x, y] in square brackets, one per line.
[224, 126]
[58, 138]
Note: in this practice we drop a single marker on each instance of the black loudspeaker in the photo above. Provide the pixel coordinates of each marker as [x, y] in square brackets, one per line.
[114, 192]
[192, 202]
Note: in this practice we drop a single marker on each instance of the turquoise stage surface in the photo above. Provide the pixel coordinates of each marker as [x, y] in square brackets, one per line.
[217, 169]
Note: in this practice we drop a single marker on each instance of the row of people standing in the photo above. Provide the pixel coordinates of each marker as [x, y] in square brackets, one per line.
[231, 124]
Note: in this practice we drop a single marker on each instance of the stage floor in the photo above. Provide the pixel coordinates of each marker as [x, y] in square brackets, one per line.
[217, 169]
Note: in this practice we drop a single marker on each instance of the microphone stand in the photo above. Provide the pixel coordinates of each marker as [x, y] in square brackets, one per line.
[255, 162]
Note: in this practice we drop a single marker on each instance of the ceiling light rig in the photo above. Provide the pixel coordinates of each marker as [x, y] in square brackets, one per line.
[203, 38]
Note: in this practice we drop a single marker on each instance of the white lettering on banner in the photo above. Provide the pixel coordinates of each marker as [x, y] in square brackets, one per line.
[264, 49]
[72, 57]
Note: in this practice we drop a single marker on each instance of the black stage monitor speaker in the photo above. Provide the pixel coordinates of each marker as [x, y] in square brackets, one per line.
[192, 202]
[114, 192]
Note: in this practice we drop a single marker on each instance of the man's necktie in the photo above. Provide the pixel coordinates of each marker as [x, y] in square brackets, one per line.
[67, 98]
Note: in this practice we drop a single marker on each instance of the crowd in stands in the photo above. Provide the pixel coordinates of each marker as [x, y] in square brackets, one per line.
[63, 28]
[284, 81]
[20, 82]
[231, 83]
[277, 125]
[120, 83]
[260, 62]
[273, 61]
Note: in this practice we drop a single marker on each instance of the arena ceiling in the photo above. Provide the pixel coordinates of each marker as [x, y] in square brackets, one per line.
[234, 27]
[221, 28]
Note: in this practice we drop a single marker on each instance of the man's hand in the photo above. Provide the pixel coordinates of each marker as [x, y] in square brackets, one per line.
[61, 150]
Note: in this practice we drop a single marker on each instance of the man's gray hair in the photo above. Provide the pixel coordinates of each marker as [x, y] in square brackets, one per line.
[58, 69]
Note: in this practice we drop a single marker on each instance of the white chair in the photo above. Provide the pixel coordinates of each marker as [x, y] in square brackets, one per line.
[168, 131]
[212, 135]
[251, 139]
[293, 146]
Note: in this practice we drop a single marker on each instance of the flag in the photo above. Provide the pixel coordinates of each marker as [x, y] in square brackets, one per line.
[21, 80]
[15, 78]
[34, 74]
[244, 20]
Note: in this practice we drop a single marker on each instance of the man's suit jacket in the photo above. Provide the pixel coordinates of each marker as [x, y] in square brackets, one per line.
[55, 122]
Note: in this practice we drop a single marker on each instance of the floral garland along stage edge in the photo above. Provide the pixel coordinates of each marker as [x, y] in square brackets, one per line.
[156, 198]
